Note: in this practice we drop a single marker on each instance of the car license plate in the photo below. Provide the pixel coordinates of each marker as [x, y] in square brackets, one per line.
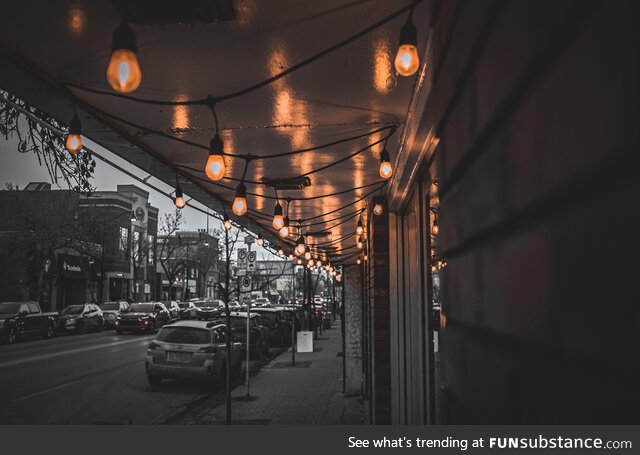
[179, 356]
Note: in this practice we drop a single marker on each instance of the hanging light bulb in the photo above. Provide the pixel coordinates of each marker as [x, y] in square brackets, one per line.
[123, 72]
[260, 239]
[310, 263]
[278, 220]
[299, 261]
[358, 261]
[435, 229]
[385, 165]
[73, 144]
[319, 261]
[280, 251]
[328, 266]
[366, 256]
[239, 205]
[377, 206]
[215, 167]
[307, 253]
[299, 250]
[360, 243]
[284, 230]
[227, 222]
[133, 216]
[339, 278]
[359, 228]
[407, 60]
[179, 200]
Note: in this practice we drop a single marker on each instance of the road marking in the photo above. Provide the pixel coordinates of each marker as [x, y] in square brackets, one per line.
[72, 351]
[45, 391]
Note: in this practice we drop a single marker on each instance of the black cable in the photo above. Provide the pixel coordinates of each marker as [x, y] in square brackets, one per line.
[344, 206]
[291, 69]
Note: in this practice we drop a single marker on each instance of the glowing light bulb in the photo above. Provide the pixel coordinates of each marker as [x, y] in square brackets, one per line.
[407, 60]
[227, 223]
[123, 72]
[260, 240]
[359, 243]
[278, 220]
[299, 261]
[358, 261]
[284, 230]
[281, 251]
[377, 207]
[310, 263]
[385, 165]
[435, 229]
[366, 257]
[338, 278]
[73, 144]
[215, 167]
[307, 253]
[291, 257]
[239, 205]
[179, 200]
[299, 249]
[359, 228]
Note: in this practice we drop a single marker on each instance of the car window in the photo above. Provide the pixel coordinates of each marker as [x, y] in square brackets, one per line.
[23, 308]
[184, 335]
[33, 308]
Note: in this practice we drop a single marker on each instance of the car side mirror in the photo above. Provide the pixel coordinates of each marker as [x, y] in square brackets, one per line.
[23, 313]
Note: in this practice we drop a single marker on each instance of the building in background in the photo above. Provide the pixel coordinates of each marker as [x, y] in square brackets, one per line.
[61, 248]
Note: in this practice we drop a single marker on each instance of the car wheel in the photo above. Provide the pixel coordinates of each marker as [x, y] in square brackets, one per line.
[154, 381]
[119, 331]
[79, 328]
[49, 331]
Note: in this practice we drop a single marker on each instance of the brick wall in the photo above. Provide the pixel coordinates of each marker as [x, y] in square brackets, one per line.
[535, 106]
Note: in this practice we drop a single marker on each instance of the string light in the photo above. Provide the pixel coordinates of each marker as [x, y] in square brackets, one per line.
[358, 261]
[278, 220]
[123, 71]
[299, 249]
[280, 251]
[338, 277]
[435, 229]
[407, 60]
[307, 253]
[291, 257]
[377, 206]
[239, 205]
[310, 263]
[227, 222]
[359, 228]
[73, 144]
[366, 256]
[386, 170]
[299, 261]
[260, 239]
[179, 199]
[215, 167]
[360, 243]
[284, 230]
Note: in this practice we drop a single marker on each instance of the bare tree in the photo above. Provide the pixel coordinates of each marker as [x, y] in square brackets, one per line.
[141, 247]
[170, 253]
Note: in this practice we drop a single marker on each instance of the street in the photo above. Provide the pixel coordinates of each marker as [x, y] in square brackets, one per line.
[93, 378]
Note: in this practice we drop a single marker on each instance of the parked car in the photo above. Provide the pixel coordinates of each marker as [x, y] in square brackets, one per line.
[191, 349]
[258, 333]
[111, 310]
[143, 317]
[80, 318]
[21, 319]
[291, 313]
[261, 302]
[187, 310]
[277, 323]
[327, 319]
[174, 309]
[207, 310]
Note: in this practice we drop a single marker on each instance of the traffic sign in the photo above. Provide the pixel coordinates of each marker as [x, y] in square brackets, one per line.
[242, 258]
[245, 284]
[251, 261]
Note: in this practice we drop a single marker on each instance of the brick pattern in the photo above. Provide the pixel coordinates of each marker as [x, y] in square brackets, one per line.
[535, 104]
[352, 279]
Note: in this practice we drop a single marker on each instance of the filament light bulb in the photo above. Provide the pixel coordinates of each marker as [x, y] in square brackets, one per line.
[239, 205]
[284, 230]
[407, 60]
[260, 240]
[180, 200]
[73, 144]
[359, 228]
[278, 219]
[215, 167]
[123, 71]
[386, 170]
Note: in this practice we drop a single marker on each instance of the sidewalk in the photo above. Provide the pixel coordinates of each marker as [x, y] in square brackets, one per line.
[309, 393]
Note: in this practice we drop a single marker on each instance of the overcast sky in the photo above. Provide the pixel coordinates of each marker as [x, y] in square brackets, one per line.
[22, 168]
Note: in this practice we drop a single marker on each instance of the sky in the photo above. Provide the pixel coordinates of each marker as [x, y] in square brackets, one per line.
[22, 168]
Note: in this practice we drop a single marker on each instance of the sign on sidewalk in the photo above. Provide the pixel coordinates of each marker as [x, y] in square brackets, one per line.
[242, 258]
[305, 342]
[251, 261]
[245, 284]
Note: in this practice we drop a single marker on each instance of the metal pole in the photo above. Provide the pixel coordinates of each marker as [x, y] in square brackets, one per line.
[293, 317]
[246, 381]
[228, 314]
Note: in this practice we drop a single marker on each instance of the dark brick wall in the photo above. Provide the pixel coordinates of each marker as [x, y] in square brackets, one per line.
[535, 104]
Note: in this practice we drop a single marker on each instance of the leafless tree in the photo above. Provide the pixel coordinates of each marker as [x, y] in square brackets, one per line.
[170, 254]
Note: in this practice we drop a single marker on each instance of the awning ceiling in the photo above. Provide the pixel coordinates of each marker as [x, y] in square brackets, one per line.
[345, 93]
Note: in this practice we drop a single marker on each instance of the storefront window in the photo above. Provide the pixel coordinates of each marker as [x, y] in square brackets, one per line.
[152, 250]
[123, 246]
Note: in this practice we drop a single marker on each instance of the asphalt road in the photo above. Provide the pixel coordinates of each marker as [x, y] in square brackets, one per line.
[93, 378]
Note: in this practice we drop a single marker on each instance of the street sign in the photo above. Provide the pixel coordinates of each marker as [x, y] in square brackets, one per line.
[242, 258]
[305, 342]
[245, 284]
[251, 261]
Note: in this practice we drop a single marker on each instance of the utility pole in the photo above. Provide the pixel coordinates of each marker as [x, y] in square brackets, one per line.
[228, 315]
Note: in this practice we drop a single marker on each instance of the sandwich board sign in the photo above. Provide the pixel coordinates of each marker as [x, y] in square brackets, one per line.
[305, 342]
[251, 261]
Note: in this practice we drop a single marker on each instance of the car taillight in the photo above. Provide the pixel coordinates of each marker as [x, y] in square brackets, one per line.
[207, 350]
[153, 345]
